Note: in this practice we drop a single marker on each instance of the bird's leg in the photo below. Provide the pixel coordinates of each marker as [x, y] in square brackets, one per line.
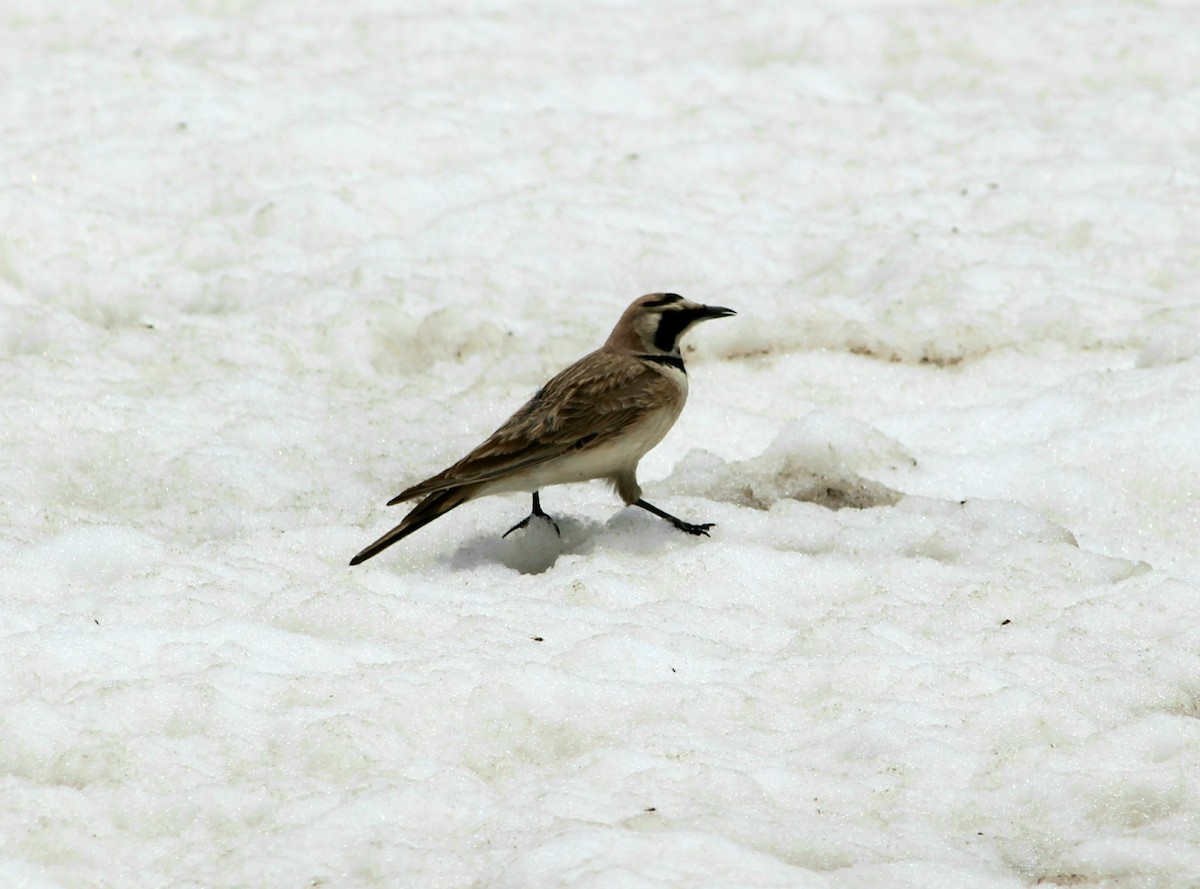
[687, 527]
[536, 511]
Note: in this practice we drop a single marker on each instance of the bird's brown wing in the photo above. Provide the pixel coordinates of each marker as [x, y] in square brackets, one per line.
[592, 401]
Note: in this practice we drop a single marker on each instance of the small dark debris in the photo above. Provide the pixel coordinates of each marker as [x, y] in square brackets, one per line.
[537, 638]
[651, 809]
[1005, 622]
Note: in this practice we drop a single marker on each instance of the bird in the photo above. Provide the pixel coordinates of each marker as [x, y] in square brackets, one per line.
[594, 420]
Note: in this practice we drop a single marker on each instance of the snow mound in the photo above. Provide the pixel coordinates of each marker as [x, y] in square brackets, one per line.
[533, 548]
[810, 460]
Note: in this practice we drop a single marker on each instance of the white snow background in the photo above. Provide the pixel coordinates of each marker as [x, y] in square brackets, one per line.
[264, 264]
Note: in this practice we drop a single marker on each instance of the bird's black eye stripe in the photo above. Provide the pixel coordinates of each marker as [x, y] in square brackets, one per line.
[665, 300]
[672, 325]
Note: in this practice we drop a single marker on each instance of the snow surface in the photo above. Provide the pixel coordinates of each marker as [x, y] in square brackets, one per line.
[264, 264]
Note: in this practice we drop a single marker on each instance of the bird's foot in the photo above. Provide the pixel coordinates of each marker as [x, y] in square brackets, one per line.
[686, 527]
[524, 523]
[535, 513]
[689, 528]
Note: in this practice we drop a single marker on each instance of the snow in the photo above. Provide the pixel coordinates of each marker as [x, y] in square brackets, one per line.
[263, 265]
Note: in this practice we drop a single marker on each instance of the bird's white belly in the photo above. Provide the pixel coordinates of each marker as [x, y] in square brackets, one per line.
[604, 461]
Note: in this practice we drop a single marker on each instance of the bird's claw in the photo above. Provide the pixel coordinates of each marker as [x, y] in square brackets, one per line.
[689, 528]
[524, 523]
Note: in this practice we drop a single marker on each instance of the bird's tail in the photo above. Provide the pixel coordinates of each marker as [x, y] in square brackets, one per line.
[433, 506]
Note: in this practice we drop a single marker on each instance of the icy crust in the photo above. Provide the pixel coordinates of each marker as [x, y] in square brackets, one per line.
[958, 324]
[964, 674]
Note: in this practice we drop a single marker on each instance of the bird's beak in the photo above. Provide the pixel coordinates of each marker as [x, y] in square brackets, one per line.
[707, 312]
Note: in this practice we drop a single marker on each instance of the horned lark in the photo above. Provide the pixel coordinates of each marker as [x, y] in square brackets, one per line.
[596, 419]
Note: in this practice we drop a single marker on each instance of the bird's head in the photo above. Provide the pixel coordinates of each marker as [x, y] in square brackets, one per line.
[656, 322]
